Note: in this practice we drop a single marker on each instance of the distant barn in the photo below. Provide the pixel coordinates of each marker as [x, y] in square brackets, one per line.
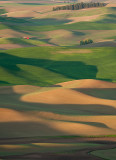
[26, 37]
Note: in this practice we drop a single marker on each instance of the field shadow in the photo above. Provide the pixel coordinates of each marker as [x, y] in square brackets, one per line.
[27, 24]
[11, 100]
[20, 41]
[79, 109]
[69, 69]
[26, 129]
[12, 20]
[109, 18]
[104, 93]
[48, 21]
[29, 21]
[4, 83]
[47, 40]
[95, 124]
[77, 33]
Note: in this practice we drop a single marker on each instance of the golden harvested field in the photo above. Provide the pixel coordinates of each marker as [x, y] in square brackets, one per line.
[80, 107]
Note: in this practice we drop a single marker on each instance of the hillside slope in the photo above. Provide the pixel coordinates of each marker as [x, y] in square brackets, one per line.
[81, 107]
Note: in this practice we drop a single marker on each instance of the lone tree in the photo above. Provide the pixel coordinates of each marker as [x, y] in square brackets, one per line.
[86, 41]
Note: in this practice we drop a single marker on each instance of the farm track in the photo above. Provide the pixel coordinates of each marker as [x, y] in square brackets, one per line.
[108, 143]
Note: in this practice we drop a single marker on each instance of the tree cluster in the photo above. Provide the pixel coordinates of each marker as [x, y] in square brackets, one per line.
[79, 6]
[87, 41]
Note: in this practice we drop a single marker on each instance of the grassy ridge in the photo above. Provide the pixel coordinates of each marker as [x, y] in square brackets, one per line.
[47, 65]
